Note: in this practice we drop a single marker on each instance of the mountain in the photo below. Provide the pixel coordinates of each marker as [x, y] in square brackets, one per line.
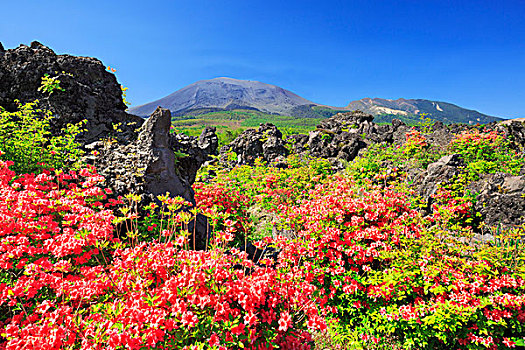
[410, 108]
[226, 94]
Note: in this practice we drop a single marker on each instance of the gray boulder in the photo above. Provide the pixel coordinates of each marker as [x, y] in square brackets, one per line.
[501, 199]
[146, 165]
[514, 131]
[440, 172]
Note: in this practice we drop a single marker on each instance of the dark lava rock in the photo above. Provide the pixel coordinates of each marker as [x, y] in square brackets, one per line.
[514, 131]
[266, 142]
[501, 199]
[192, 152]
[90, 92]
[439, 172]
[147, 166]
[341, 136]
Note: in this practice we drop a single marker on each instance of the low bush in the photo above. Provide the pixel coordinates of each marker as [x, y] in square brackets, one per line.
[486, 152]
[25, 139]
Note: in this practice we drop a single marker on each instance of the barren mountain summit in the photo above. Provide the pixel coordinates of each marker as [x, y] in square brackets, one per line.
[227, 93]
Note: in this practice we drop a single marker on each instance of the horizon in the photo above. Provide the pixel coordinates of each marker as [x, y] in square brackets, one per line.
[470, 54]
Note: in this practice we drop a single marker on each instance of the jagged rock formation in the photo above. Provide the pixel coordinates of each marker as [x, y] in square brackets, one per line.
[343, 136]
[266, 142]
[439, 172]
[515, 129]
[191, 152]
[90, 92]
[146, 166]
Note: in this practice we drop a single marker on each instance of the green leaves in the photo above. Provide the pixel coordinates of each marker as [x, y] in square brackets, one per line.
[25, 139]
[50, 84]
[486, 152]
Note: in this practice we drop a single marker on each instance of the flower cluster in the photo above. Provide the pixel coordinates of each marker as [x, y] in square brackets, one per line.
[415, 143]
[67, 282]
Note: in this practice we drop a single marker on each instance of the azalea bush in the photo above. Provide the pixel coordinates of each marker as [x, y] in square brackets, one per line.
[67, 282]
[486, 152]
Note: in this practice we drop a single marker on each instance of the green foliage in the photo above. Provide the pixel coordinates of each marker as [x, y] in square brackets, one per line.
[227, 136]
[508, 247]
[25, 139]
[124, 95]
[50, 84]
[486, 152]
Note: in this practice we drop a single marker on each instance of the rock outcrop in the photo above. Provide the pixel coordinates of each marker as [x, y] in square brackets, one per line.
[515, 131]
[501, 199]
[439, 172]
[192, 152]
[147, 166]
[90, 92]
[266, 143]
[342, 136]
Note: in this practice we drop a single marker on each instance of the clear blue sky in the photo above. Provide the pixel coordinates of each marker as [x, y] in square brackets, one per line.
[471, 53]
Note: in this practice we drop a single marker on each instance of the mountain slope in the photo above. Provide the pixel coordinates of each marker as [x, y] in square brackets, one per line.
[226, 94]
[409, 108]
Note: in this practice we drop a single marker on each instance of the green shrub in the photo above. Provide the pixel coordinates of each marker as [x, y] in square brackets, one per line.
[486, 152]
[26, 139]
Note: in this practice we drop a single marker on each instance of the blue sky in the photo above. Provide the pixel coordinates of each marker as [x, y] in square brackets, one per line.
[471, 53]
